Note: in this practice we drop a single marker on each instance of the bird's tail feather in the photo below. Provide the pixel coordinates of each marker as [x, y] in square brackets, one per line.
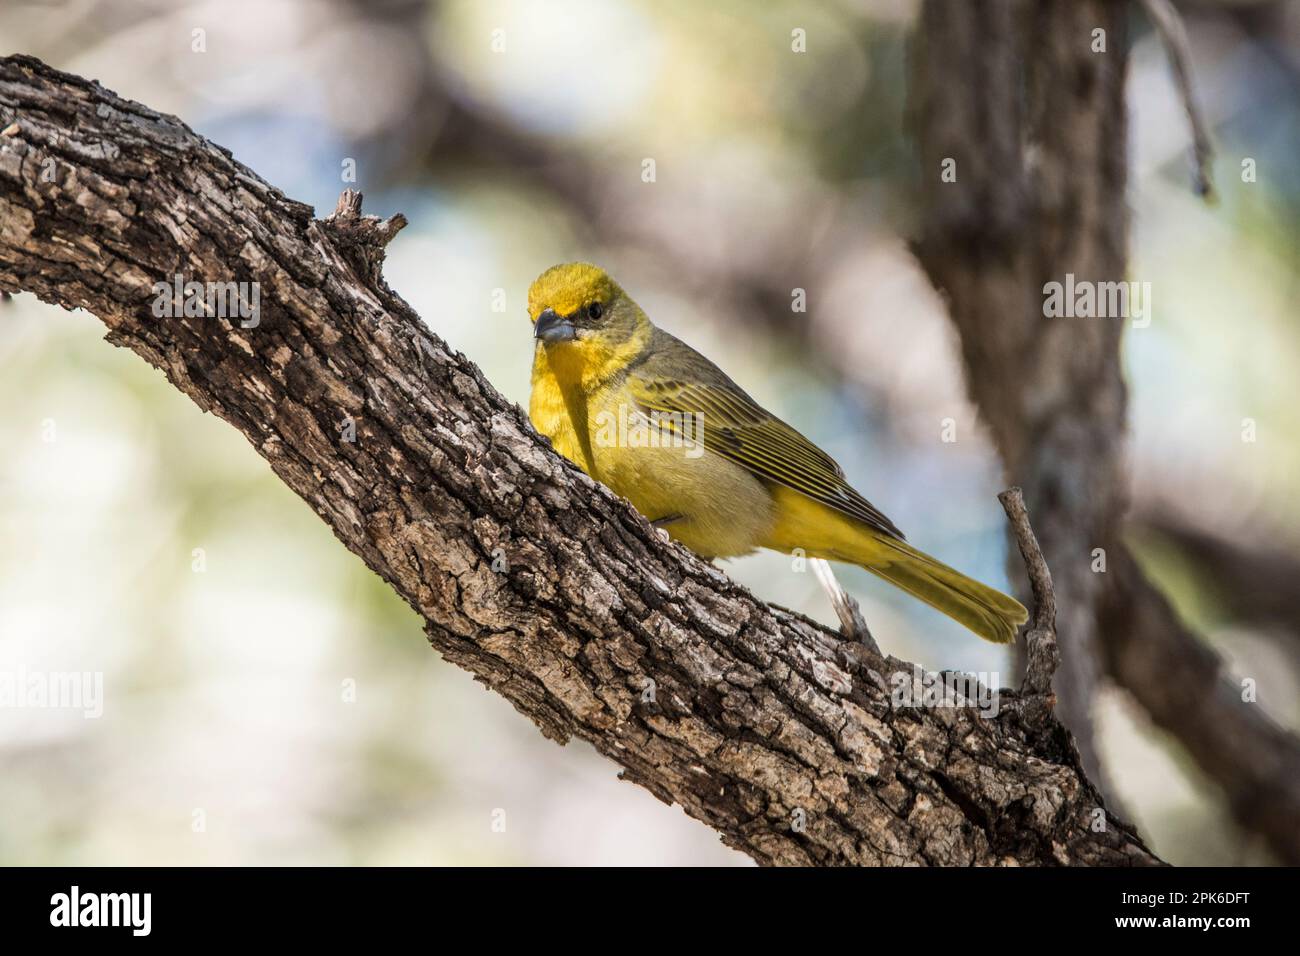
[817, 531]
[984, 610]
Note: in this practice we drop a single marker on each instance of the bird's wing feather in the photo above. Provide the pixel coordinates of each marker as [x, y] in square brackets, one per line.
[739, 429]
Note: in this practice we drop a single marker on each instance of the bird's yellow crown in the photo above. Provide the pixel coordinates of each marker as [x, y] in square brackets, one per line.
[569, 287]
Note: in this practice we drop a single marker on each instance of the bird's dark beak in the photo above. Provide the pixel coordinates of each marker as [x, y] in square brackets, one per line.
[553, 328]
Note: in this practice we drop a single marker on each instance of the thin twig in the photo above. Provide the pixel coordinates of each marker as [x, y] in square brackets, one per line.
[1041, 651]
[1169, 24]
[852, 624]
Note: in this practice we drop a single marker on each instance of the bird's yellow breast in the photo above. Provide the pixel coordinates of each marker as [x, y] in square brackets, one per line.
[553, 413]
[713, 506]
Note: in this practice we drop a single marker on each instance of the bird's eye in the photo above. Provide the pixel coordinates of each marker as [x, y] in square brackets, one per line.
[595, 311]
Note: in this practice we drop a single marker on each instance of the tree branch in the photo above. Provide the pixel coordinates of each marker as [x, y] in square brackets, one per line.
[1168, 24]
[1186, 689]
[1042, 656]
[1251, 576]
[768, 728]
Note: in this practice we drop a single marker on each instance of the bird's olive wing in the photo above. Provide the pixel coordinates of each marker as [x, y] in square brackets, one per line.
[739, 429]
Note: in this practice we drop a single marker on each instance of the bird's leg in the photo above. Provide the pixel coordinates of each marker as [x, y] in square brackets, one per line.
[852, 624]
[661, 525]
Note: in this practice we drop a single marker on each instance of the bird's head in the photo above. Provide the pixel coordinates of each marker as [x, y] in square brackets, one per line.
[577, 306]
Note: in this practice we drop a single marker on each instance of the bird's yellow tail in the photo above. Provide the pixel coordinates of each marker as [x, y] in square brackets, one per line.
[988, 612]
[821, 532]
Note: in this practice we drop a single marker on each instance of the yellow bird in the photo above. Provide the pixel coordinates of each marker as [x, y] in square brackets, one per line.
[661, 425]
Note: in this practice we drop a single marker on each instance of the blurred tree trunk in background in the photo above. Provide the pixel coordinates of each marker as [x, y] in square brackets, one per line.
[1027, 98]
[1033, 118]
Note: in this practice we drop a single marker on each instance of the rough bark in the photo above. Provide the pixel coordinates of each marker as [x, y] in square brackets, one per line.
[1036, 121]
[765, 726]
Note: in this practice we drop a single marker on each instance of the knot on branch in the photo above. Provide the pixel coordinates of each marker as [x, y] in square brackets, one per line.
[362, 240]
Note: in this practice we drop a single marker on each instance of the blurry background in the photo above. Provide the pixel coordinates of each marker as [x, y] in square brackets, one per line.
[268, 700]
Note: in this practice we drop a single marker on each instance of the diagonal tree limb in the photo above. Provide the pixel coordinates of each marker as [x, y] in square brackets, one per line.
[1187, 690]
[791, 743]
[1251, 573]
